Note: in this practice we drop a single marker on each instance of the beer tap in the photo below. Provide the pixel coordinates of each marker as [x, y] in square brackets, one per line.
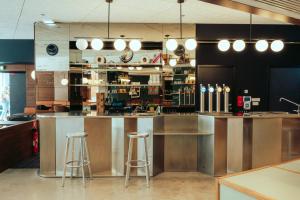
[202, 98]
[226, 91]
[210, 97]
[218, 98]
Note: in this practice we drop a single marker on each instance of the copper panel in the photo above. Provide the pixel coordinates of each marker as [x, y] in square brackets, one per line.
[158, 154]
[290, 139]
[181, 124]
[247, 144]
[266, 142]
[47, 132]
[180, 153]
[99, 144]
[235, 144]
[220, 147]
[130, 125]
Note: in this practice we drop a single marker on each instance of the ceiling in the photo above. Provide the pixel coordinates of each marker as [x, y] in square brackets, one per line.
[17, 16]
[289, 8]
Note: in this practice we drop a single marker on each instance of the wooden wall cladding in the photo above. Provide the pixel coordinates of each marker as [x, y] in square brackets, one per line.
[45, 86]
[99, 144]
[15, 144]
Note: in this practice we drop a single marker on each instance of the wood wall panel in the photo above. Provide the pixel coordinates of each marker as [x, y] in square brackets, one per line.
[15, 144]
[47, 130]
[30, 87]
[45, 86]
[99, 144]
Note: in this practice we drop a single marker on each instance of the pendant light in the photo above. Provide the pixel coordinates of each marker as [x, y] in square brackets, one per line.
[97, 44]
[239, 45]
[135, 45]
[223, 45]
[190, 44]
[82, 44]
[32, 74]
[261, 45]
[171, 44]
[277, 45]
[173, 62]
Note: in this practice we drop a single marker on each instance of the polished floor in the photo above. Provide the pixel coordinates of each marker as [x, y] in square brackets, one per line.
[25, 184]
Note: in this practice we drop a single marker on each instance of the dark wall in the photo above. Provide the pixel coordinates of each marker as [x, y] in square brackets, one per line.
[17, 86]
[16, 51]
[252, 68]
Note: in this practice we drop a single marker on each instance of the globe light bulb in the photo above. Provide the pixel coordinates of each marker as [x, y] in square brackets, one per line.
[64, 81]
[239, 45]
[97, 44]
[223, 45]
[277, 45]
[171, 44]
[172, 62]
[119, 44]
[32, 74]
[261, 45]
[193, 62]
[85, 81]
[81, 44]
[135, 45]
[190, 44]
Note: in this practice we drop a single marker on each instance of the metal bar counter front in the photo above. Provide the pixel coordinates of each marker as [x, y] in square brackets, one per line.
[213, 144]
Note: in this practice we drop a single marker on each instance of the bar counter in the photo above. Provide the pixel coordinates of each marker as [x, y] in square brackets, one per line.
[211, 143]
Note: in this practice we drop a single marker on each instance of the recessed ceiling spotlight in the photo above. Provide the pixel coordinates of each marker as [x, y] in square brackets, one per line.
[97, 44]
[239, 45]
[223, 45]
[261, 45]
[277, 45]
[47, 20]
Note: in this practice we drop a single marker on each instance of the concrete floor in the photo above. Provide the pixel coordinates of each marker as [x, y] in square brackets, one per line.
[25, 184]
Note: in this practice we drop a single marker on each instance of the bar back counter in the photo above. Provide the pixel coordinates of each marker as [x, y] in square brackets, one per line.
[211, 143]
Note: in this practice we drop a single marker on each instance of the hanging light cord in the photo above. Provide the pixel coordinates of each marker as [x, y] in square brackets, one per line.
[108, 19]
[180, 20]
[250, 27]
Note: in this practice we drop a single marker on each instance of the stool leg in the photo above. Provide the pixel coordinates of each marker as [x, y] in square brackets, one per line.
[82, 160]
[73, 144]
[128, 161]
[147, 161]
[88, 157]
[65, 161]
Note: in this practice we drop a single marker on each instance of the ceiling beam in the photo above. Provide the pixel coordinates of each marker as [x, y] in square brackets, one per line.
[254, 10]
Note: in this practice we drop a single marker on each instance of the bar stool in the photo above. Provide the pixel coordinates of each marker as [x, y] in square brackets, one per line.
[81, 162]
[144, 163]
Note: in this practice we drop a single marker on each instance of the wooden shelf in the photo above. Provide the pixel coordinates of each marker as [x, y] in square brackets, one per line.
[115, 85]
[117, 64]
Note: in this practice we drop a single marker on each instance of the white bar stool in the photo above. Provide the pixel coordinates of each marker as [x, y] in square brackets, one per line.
[135, 163]
[83, 160]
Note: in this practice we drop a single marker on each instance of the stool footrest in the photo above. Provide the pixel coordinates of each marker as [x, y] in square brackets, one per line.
[78, 162]
[144, 163]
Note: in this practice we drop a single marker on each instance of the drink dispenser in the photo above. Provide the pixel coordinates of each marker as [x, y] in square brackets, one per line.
[202, 98]
[218, 98]
[226, 91]
[211, 90]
